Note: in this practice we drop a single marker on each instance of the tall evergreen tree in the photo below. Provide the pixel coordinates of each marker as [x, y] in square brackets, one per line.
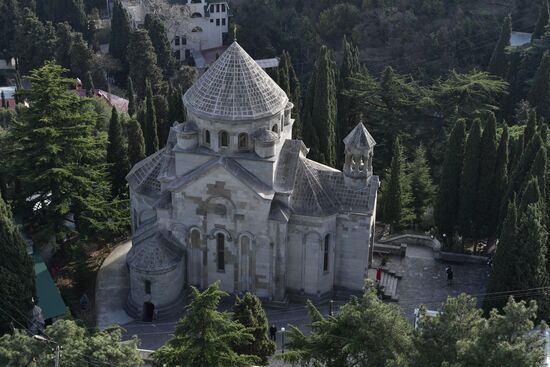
[542, 21]
[296, 98]
[469, 184]
[89, 85]
[498, 63]
[487, 166]
[176, 109]
[162, 118]
[143, 63]
[34, 42]
[248, 311]
[157, 33]
[3, 100]
[539, 95]
[132, 106]
[310, 134]
[397, 198]
[446, 209]
[205, 337]
[500, 182]
[531, 127]
[63, 44]
[120, 32]
[531, 194]
[9, 18]
[422, 188]
[324, 108]
[16, 274]
[151, 130]
[82, 57]
[116, 156]
[136, 143]
[283, 77]
[347, 111]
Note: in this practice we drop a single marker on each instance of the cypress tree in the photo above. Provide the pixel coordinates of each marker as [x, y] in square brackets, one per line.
[539, 169]
[162, 117]
[542, 21]
[446, 209]
[151, 135]
[487, 177]
[89, 85]
[143, 64]
[3, 100]
[309, 132]
[116, 156]
[176, 109]
[531, 194]
[296, 98]
[248, 311]
[136, 143]
[347, 114]
[120, 32]
[500, 181]
[132, 107]
[63, 44]
[531, 127]
[324, 107]
[539, 95]
[9, 16]
[469, 184]
[422, 188]
[498, 62]
[283, 77]
[157, 33]
[16, 274]
[397, 198]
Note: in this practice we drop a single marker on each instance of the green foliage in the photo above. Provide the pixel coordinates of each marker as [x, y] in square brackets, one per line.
[120, 32]
[446, 208]
[498, 62]
[9, 17]
[151, 132]
[249, 312]
[82, 57]
[365, 332]
[542, 21]
[205, 337]
[132, 106]
[16, 274]
[338, 21]
[34, 42]
[56, 11]
[162, 118]
[136, 143]
[539, 95]
[500, 182]
[422, 188]
[488, 180]
[176, 110]
[157, 33]
[143, 64]
[79, 348]
[117, 157]
[89, 85]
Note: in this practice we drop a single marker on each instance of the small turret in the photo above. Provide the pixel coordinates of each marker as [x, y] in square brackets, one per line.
[359, 149]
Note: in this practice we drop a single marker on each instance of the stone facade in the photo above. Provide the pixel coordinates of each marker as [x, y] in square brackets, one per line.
[232, 198]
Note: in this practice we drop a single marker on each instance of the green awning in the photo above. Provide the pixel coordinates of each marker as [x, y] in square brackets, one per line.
[49, 298]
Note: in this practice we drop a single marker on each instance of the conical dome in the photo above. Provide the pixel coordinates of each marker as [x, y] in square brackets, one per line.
[235, 88]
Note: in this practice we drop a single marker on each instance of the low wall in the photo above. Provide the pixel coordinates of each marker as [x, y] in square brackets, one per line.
[390, 249]
[413, 239]
[454, 257]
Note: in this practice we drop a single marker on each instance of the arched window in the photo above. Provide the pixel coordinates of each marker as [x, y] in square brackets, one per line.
[207, 137]
[243, 141]
[147, 287]
[196, 29]
[326, 251]
[195, 238]
[275, 128]
[220, 249]
[224, 139]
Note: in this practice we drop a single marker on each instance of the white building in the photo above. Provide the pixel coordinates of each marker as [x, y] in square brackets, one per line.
[233, 198]
[192, 27]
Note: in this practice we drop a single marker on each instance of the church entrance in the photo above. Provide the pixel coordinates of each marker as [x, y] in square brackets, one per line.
[148, 312]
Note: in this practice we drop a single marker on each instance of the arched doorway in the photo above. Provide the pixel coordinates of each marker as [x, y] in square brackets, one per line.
[148, 312]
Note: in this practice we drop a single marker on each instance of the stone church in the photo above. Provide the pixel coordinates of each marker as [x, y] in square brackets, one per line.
[233, 198]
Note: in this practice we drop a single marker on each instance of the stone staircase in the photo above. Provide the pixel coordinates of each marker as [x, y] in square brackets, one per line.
[388, 282]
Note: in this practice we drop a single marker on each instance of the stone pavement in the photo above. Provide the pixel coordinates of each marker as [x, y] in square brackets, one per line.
[112, 286]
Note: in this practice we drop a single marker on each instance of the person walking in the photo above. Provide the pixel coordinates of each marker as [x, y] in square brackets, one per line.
[450, 274]
[273, 332]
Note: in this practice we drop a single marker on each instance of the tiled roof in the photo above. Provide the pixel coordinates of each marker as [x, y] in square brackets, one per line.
[359, 138]
[154, 254]
[235, 88]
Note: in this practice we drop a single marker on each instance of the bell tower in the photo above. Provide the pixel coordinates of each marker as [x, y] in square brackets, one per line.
[359, 149]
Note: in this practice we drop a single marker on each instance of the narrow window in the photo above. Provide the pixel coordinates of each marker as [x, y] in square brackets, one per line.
[211, 20]
[243, 141]
[183, 40]
[275, 129]
[177, 55]
[224, 139]
[220, 246]
[207, 137]
[147, 287]
[211, 8]
[177, 40]
[223, 8]
[217, 22]
[326, 252]
[223, 21]
[217, 8]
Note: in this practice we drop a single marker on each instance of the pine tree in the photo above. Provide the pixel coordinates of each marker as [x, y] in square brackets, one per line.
[16, 274]
[151, 132]
[422, 188]
[469, 184]
[446, 209]
[500, 182]
[89, 85]
[176, 110]
[325, 107]
[63, 44]
[162, 118]
[205, 337]
[539, 95]
[136, 143]
[143, 64]
[116, 156]
[498, 63]
[157, 33]
[248, 311]
[397, 198]
[120, 32]
[34, 42]
[487, 166]
[347, 114]
[82, 57]
[9, 17]
[296, 98]
[132, 107]
[504, 276]
[542, 21]
[283, 77]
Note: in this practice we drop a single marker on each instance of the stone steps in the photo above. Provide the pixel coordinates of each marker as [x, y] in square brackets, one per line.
[388, 281]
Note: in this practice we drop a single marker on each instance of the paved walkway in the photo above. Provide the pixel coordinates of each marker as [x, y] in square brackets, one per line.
[112, 286]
